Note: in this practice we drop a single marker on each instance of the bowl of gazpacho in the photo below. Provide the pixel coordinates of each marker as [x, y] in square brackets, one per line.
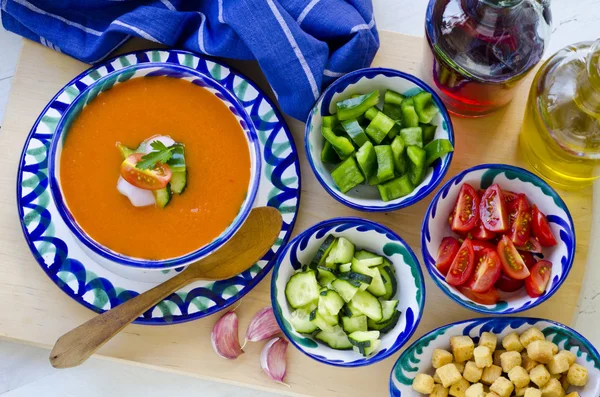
[154, 167]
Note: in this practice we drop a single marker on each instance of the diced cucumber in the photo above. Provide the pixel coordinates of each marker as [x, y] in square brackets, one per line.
[300, 320]
[331, 301]
[335, 338]
[352, 310]
[162, 196]
[361, 268]
[177, 160]
[389, 279]
[318, 320]
[377, 287]
[388, 308]
[370, 262]
[302, 289]
[363, 254]
[353, 324]
[124, 150]
[375, 345]
[385, 326]
[361, 278]
[326, 275]
[367, 304]
[345, 268]
[178, 181]
[345, 289]
[330, 260]
[344, 251]
[363, 339]
[322, 252]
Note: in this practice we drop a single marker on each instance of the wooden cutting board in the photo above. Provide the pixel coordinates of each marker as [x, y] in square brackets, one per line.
[33, 310]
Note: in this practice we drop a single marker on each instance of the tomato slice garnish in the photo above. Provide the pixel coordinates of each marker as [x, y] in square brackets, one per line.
[487, 270]
[492, 210]
[541, 228]
[451, 217]
[528, 259]
[531, 245]
[520, 221]
[480, 245]
[446, 253]
[466, 209]
[537, 282]
[481, 233]
[508, 284]
[490, 297]
[151, 179]
[463, 264]
[512, 263]
[509, 196]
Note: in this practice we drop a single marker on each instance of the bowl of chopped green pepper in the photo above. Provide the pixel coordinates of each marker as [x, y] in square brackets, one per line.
[379, 140]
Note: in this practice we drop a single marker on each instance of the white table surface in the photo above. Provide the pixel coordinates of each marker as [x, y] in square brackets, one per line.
[25, 370]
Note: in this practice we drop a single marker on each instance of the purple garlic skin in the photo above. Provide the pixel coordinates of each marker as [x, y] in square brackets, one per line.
[262, 326]
[273, 359]
[224, 337]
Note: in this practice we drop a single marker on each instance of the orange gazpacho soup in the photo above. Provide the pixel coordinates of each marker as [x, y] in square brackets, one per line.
[216, 155]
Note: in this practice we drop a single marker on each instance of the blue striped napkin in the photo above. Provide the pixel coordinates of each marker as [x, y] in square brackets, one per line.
[301, 45]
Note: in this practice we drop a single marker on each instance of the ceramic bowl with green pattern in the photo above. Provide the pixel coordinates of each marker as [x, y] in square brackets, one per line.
[366, 235]
[417, 357]
[518, 180]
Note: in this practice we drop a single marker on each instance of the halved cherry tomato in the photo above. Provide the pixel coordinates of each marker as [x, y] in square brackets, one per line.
[537, 282]
[487, 271]
[508, 284]
[510, 196]
[466, 209]
[541, 228]
[152, 179]
[481, 233]
[520, 221]
[480, 245]
[531, 245]
[512, 263]
[462, 265]
[451, 217]
[492, 210]
[528, 259]
[446, 253]
[491, 297]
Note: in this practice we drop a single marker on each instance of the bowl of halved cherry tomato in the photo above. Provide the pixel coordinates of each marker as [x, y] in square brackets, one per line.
[497, 239]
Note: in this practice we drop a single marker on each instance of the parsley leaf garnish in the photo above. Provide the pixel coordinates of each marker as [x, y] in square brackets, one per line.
[160, 154]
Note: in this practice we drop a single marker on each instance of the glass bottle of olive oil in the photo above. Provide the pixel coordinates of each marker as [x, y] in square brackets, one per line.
[560, 136]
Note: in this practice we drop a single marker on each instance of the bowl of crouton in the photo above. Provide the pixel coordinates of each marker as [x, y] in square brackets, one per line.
[498, 357]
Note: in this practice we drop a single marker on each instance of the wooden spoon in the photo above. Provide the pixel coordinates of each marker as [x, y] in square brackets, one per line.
[245, 248]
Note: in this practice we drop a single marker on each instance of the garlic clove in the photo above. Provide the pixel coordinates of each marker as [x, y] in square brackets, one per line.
[273, 359]
[262, 326]
[224, 337]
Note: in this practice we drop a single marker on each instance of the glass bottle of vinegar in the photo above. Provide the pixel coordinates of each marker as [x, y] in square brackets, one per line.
[479, 50]
[560, 136]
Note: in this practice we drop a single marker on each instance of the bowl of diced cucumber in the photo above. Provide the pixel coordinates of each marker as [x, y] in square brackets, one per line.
[379, 140]
[348, 292]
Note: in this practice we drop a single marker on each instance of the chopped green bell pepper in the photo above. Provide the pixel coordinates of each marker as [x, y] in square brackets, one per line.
[340, 144]
[329, 121]
[371, 113]
[347, 175]
[409, 115]
[399, 152]
[436, 149]
[416, 164]
[395, 188]
[392, 97]
[392, 111]
[385, 163]
[412, 136]
[328, 154]
[379, 127]
[367, 161]
[428, 132]
[353, 107]
[425, 107]
[355, 131]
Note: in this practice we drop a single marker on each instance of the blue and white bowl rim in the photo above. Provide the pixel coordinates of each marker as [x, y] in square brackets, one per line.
[461, 175]
[348, 79]
[337, 221]
[250, 133]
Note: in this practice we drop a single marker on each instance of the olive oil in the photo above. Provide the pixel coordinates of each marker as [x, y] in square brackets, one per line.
[560, 136]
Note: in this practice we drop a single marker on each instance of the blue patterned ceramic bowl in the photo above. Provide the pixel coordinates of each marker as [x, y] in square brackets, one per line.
[366, 235]
[364, 197]
[417, 358]
[73, 107]
[435, 228]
